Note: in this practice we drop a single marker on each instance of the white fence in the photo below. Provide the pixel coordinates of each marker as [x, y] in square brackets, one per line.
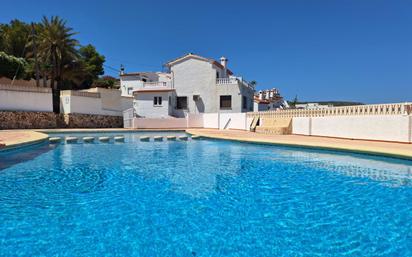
[385, 122]
[128, 118]
[25, 98]
[204, 120]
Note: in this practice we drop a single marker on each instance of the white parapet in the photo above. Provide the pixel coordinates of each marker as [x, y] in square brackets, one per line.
[369, 127]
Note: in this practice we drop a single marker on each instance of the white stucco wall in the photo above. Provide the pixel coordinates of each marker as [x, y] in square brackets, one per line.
[233, 121]
[211, 120]
[25, 101]
[196, 77]
[144, 106]
[370, 127]
[195, 120]
[159, 123]
[110, 102]
[126, 102]
[85, 105]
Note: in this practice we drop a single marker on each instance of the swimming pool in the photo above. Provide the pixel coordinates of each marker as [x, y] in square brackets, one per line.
[202, 198]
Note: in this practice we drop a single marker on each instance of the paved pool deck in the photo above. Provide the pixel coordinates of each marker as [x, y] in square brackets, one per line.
[10, 139]
[391, 149]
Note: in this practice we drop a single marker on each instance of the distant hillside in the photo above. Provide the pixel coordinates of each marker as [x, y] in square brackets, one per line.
[334, 103]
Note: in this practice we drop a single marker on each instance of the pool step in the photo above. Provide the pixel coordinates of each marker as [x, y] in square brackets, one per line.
[55, 140]
[158, 138]
[145, 138]
[71, 140]
[119, 138]
[88, 139]
[104, 139]
[183, 138]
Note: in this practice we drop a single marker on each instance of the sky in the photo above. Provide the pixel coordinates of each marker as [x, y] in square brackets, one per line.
[319, 50]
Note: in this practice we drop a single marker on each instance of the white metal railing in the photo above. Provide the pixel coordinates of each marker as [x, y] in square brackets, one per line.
[370, 109]
[128, 116]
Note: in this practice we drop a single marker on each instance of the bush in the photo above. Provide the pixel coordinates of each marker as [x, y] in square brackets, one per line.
[10, 64]
[104, 82]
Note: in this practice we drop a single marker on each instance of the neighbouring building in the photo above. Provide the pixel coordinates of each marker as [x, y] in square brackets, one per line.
[191, 84]
[269, 99]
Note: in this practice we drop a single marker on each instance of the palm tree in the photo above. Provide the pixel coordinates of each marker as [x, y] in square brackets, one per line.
[56, 47]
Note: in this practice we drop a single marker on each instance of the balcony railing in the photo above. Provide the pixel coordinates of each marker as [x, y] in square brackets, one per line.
[224, 81]
[155, 84]
[232, 80]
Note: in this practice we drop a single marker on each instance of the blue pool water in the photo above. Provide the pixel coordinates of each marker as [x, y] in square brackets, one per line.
[202, 198]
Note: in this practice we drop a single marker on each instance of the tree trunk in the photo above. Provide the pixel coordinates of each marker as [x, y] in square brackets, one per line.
[44, 79]
[55, 88]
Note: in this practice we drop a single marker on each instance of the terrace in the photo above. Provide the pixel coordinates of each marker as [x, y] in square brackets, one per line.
[233, 81]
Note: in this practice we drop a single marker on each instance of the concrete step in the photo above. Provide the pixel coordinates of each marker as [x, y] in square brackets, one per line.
[273, 130]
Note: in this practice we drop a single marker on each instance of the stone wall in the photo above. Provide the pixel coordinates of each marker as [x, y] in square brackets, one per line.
[74, 120]
[49, 120]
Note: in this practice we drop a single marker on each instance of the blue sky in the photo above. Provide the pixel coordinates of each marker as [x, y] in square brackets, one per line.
[318, 50]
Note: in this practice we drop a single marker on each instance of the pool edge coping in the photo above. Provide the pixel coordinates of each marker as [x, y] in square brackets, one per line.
[306, 146]
[41, 136]
[35, 138]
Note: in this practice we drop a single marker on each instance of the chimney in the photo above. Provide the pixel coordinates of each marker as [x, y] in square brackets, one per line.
[260, 95]
[121, 69]
[223, 62]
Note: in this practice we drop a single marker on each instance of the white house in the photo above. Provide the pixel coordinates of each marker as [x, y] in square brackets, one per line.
[192, 84]
[269, 99]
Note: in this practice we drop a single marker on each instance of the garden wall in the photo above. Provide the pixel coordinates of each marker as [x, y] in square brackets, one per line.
[50, 120]
[25, 98]
[370, 127]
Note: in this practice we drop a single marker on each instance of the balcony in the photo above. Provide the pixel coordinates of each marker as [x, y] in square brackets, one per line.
[233, 81]
[156, 85]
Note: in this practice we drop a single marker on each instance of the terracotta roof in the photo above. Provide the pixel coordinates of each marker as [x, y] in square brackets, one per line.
[260, 101]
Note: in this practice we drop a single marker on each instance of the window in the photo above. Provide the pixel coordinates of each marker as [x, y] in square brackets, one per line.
[157, 101]
[244, 102]
[225, 101]
[217, 74]
[181, 102]
[129, 90]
